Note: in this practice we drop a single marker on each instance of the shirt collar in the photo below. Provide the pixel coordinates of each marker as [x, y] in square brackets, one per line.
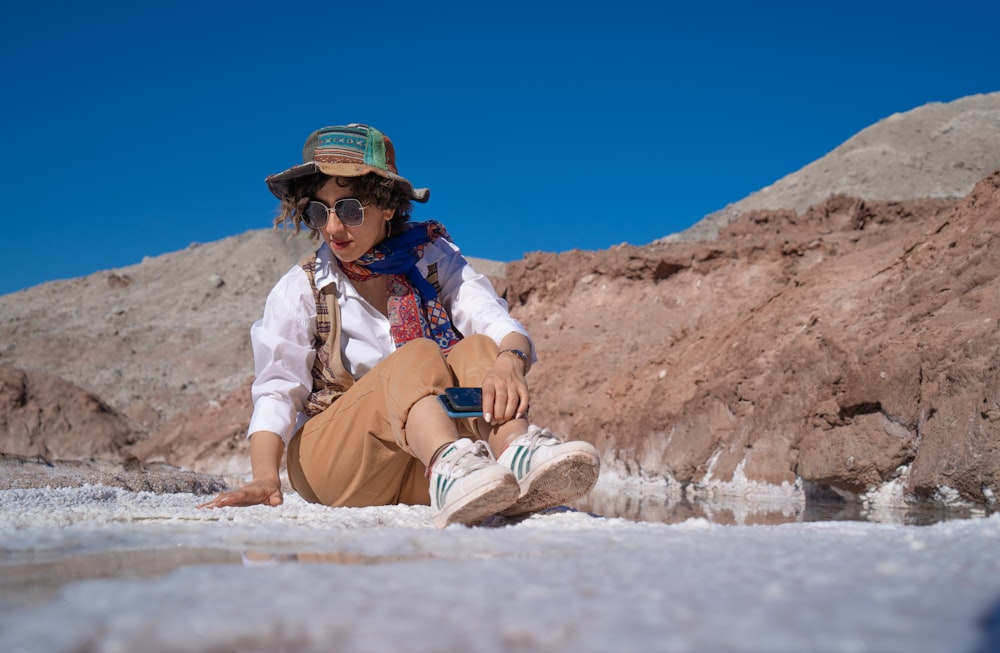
[328, 271]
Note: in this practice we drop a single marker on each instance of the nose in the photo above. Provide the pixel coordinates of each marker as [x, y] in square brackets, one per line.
[333, 223]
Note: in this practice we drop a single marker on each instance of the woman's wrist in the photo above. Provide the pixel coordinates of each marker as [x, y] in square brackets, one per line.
[519, 354]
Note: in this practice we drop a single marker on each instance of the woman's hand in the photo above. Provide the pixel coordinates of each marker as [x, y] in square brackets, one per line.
[267, 492]
[505, 391]
[265, 456]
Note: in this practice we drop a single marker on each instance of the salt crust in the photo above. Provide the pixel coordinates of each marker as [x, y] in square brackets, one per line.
[555, 582]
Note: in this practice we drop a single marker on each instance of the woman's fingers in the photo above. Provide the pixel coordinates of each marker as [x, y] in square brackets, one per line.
[504, 399]
[248, 495]
[224, 499]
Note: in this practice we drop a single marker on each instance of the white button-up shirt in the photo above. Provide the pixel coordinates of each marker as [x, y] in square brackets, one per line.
[282, 339]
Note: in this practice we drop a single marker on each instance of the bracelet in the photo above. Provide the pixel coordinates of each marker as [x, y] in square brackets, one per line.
[520, 354]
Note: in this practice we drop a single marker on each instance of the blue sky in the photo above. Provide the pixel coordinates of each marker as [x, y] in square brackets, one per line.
[135, 129]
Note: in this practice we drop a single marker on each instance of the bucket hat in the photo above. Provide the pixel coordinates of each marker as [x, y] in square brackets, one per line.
[346, 151]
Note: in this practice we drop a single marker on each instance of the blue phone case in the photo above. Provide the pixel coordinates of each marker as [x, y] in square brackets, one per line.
[465, 399]
[462, 402]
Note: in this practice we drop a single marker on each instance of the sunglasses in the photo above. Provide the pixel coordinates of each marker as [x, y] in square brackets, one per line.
[349, 210]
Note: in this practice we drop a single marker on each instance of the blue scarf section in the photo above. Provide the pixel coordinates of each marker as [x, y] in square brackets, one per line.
[414, 307]
[399, 255]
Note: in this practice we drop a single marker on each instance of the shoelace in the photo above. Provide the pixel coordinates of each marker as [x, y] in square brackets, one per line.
[475, 457]
[538, 434]
[524, 451]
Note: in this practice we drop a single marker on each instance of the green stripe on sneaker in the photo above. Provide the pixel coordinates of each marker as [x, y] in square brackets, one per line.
[443, 485]
[520, 464]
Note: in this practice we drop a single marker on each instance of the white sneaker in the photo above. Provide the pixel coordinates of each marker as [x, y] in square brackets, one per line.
[467, 484]
[549, 472]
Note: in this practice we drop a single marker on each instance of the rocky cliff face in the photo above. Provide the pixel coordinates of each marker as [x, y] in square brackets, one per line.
[848, 346]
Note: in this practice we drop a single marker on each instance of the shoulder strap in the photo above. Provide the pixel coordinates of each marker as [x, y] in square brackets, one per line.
[330, 378]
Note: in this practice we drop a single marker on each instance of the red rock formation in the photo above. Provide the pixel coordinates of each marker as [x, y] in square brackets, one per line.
[844, 346]
[42, 415]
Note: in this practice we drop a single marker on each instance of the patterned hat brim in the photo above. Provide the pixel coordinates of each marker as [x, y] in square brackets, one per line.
[278, 184]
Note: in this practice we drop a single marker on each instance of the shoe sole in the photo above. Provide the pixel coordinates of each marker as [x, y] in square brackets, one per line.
[558, 481]
[492, 500]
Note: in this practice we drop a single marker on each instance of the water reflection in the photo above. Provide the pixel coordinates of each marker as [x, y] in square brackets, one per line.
[33, 581]
[260, 558]
[671, 507]
[667, 508]
[28, 579]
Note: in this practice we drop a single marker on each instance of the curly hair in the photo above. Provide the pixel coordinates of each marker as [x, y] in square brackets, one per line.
[370, 188]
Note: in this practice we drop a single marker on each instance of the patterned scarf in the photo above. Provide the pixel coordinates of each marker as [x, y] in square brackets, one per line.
[414, 308]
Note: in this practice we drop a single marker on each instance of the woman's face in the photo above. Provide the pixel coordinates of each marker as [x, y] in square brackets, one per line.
[350, 243]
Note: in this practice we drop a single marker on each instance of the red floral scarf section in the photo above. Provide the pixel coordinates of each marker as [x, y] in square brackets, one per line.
[415, 311]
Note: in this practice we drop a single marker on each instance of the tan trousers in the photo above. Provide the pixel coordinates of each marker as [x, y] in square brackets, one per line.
[354, 453]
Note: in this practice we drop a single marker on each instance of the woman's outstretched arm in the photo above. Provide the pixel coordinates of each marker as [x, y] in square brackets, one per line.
[266, 449]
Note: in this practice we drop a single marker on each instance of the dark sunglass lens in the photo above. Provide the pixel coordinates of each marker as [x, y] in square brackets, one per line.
[350, 212]
[316, 214]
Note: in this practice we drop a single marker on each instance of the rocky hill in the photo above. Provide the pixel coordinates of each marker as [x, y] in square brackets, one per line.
[939, 150]
[830, 342]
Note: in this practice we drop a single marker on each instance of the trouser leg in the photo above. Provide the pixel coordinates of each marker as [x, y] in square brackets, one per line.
[469, 361]
[355, 452]
[472, 358]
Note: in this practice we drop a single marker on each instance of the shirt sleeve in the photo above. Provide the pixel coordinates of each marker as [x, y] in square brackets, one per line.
[283, 356]
[470, 298]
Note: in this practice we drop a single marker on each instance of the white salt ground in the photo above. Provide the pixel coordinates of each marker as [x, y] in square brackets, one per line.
[306, 578]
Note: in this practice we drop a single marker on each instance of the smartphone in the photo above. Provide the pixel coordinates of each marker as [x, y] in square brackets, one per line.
[462, 402]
